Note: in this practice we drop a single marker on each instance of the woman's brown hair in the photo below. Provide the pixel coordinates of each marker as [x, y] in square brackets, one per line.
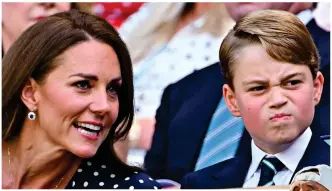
[33, 55]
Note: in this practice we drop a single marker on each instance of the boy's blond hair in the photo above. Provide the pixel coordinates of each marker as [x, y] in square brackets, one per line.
[284, 37]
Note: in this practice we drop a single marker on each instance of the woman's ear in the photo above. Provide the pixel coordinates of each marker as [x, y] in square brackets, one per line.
[28, 94]
[230, 100]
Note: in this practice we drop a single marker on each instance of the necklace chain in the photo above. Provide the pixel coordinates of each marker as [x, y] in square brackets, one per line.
[11, 172]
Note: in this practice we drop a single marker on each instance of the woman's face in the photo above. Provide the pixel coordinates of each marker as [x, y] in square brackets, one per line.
[78, 101]
[16, 17]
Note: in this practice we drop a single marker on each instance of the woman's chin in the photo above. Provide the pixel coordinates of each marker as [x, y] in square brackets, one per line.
[85, 153]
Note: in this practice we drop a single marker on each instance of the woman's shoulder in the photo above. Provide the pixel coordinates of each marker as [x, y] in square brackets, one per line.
[95, 175]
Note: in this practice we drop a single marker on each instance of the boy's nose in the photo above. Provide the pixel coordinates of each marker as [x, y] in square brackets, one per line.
[276, 99]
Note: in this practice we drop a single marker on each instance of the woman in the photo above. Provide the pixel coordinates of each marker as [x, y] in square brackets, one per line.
[67, 92]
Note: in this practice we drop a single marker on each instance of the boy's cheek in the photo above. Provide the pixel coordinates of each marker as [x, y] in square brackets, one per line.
[253, 119]
[253, 115]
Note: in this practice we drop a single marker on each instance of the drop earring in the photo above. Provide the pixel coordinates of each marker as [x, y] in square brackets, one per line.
[32, 115]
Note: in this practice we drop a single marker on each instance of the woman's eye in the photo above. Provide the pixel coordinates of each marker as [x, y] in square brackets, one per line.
[85, 84]
[257, 88]
[112, 90]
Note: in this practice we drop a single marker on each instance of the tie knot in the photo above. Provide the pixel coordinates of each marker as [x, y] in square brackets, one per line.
[269, 168]
[272, 163]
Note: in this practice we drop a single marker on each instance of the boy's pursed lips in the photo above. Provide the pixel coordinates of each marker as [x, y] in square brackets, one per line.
[279, 116]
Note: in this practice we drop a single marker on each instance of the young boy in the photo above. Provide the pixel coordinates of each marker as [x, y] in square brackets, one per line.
[270, 64]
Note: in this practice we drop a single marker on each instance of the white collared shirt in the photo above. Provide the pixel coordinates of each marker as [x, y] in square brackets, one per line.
[289, 157]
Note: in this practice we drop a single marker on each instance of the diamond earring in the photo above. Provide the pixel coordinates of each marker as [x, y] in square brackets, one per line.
[32, 115]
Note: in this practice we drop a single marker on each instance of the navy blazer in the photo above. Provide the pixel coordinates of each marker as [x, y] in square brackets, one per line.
[322, 42]
[186, 109]
[321, 122]
[232, 173]
[181, 123]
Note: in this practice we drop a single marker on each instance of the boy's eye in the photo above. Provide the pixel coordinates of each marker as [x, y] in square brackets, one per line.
[293, 82]
[257, 88]
[84, 84]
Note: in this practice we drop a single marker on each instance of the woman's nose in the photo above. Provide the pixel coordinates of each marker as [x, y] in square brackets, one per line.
[100, 104]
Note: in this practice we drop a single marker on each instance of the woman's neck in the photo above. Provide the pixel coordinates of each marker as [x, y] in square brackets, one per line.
[35, 163]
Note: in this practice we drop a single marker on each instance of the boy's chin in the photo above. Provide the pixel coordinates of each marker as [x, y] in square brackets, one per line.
[285, 138]
[286, 134]
[277, 143]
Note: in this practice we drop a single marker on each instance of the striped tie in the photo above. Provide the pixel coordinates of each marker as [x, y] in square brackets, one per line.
[222, 137]
[269, 168]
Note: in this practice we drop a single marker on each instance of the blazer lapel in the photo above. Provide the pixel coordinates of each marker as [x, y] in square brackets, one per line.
[317, 152]
[234, 170]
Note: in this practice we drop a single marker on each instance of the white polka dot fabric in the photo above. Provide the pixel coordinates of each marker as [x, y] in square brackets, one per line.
[92, 175]
[187, 51]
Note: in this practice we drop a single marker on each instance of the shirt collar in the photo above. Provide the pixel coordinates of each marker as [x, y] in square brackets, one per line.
[292, 156]
[289, 157]
[257, 156]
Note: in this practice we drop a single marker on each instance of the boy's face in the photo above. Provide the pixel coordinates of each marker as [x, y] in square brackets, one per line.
[275, 99]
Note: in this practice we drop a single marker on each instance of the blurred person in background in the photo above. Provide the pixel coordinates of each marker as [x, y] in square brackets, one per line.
[190, 108]
[67, 88]
[177, 38]
[311, 178]
[322, 15]
[17, 17]
[168, 41]
[116, 12]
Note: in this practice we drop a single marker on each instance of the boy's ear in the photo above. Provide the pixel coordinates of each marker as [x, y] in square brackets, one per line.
[318, 87]
[28, 95]
[231, 102]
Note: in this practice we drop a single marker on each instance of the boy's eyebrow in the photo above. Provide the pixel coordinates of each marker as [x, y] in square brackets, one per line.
[254, 82]
[293, 75]
[289, 76]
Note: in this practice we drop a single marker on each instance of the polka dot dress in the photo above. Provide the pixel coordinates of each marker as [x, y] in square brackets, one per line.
[93, 175]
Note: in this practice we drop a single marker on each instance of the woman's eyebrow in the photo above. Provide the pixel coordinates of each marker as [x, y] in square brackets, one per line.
[118, 79]
[83, 75]
[93, 77]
